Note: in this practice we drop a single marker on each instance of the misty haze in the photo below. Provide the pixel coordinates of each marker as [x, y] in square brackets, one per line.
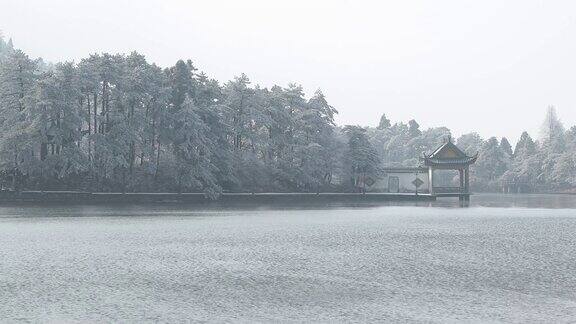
[275, 161]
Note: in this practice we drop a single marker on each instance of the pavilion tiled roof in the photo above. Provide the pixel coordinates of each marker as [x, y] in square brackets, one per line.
[449, 154]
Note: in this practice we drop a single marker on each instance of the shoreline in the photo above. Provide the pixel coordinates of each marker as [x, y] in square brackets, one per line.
[80, 197]
[22, 198]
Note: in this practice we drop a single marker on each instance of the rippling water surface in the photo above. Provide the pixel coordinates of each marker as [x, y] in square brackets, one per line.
[504, 259]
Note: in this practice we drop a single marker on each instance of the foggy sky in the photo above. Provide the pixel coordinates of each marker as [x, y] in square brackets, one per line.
[486, 66]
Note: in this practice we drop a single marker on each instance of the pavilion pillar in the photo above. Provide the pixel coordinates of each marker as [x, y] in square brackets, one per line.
[431, 180]
[461, 177]
[467, 179]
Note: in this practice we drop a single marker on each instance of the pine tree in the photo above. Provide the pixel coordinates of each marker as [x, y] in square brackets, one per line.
[57, 119]
[493, 160]
[506, 147]
[525, 146]
[17, 80]
[192, 148]
[318, 121]
[361, 158]
[414, 128]
[470, 143]
[552, 132]
[384, 122]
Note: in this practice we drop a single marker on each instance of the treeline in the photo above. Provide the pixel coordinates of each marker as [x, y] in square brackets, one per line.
[120, 123]
[544, 165]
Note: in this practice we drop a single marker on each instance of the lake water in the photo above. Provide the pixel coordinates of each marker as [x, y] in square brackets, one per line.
[504, 259]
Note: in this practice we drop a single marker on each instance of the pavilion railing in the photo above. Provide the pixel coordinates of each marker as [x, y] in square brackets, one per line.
[449, 190]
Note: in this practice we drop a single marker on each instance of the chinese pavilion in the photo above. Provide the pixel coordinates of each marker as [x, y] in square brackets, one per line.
[449, 157]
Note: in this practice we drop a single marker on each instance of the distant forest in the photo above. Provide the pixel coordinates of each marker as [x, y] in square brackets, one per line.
[120, 123]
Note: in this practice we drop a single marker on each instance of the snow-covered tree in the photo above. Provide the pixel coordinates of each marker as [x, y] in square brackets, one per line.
[192, 147]
[525, 147]
[361, 159]
[493, 161]
[18, 76]
[506, 147]
[57, 120]
[384, 122]
[552, 131]
[470, 143]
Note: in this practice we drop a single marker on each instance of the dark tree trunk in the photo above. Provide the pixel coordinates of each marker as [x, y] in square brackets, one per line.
[95, 112]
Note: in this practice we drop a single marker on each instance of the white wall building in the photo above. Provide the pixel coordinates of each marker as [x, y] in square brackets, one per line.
[402, 180]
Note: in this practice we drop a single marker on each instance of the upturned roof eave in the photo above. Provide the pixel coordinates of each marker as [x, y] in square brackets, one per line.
[468, 160]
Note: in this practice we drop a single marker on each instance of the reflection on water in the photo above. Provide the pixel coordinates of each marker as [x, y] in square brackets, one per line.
[554, 201]
[514, 262]
[524, 201]
[502, 201]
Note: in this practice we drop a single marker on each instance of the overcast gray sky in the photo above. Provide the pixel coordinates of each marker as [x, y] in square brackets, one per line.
[486, 66]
